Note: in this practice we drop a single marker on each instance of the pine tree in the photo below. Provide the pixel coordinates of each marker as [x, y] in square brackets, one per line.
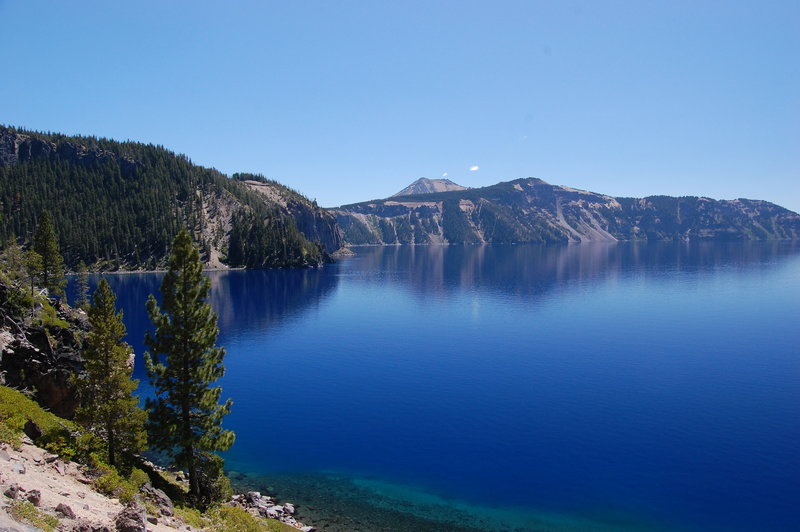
[33, 267]
[109, 407]
[82, 286]
[185, 417]
[45, 243]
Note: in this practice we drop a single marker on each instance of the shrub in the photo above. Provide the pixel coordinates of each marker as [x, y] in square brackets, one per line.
[233, 519]
[16, 410]
[28, 513]
[191, 516]
[49, 318]
[215, 487]
[110, 482]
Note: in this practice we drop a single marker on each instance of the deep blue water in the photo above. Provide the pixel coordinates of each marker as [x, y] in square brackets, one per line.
[593, 386]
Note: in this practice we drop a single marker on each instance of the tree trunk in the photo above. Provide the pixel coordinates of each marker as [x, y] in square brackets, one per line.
[112, 461]
[194, 481]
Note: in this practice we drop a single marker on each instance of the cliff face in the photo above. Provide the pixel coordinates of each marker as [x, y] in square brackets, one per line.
[317, 224]
[42, 359]
[531, 210]
[19, 148]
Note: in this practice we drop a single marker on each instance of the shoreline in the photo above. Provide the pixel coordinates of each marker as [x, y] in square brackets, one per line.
[334, 502]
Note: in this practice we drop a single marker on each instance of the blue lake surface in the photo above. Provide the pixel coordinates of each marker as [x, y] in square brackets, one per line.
[581, 387]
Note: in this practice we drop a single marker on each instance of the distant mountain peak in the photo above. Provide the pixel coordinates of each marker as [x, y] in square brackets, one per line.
[423, 185]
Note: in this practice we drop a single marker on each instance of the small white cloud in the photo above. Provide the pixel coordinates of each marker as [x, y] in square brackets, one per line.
[444, 174]
[474, 168]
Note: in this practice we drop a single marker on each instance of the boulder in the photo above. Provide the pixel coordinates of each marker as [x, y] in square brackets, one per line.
[32, 430]
[34, 497]
[65, 511]
[131, 519]
[161, 499]
[13, 491]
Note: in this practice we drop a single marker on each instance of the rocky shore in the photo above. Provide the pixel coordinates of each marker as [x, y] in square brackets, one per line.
[62, 491]
[63, 496]
[264, 506]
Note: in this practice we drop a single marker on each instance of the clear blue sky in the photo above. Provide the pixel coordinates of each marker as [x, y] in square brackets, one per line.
[349, 101]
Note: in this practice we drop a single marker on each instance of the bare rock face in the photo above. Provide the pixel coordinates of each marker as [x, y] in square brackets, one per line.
[423, 185]
[131, 519]
[161, 499]
[531, 210]
[43, 360]
[317, 224]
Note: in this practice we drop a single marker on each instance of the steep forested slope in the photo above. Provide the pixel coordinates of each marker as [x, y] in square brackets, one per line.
[119, 204]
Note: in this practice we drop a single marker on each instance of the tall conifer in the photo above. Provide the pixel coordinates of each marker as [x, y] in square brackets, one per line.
[109, 407]
[183, 361]
[82, 286]
[45, 243]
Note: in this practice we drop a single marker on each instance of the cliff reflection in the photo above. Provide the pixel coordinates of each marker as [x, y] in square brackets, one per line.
[258, 299]
[530, 269]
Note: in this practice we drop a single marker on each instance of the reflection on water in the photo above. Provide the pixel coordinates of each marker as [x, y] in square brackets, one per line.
[531, 269]
[257, 300]
[260, 299]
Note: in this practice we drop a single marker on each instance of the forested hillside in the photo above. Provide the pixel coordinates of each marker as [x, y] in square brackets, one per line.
[117, 205]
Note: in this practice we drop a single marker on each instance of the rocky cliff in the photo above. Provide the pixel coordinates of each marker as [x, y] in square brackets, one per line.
[531, 210]
[316, 223]
[43, 359]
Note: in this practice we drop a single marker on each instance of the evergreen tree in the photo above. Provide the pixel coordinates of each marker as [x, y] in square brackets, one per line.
[185, 417]
[109, 407]
[14, 270]
[33, 267]
[45, 243]
[13, 260]
[82, 286]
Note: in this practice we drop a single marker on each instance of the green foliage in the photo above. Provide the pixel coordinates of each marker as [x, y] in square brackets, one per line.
[26, 512]
[61, 442]
[33, 267]
[191, 516]
[109, 482]
[118, 204]
[387, 231]
[82, 286]
[48, 316]
[215, 486]
[11, 429]
[14, 274]
[233, 519]
[45, 243]
[109, 408]
[259, 239]
[138, 478]
[185, 418]
[16, 409]
[455, 226]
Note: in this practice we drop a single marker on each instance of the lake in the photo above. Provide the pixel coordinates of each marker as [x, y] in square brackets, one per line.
[581, 387]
